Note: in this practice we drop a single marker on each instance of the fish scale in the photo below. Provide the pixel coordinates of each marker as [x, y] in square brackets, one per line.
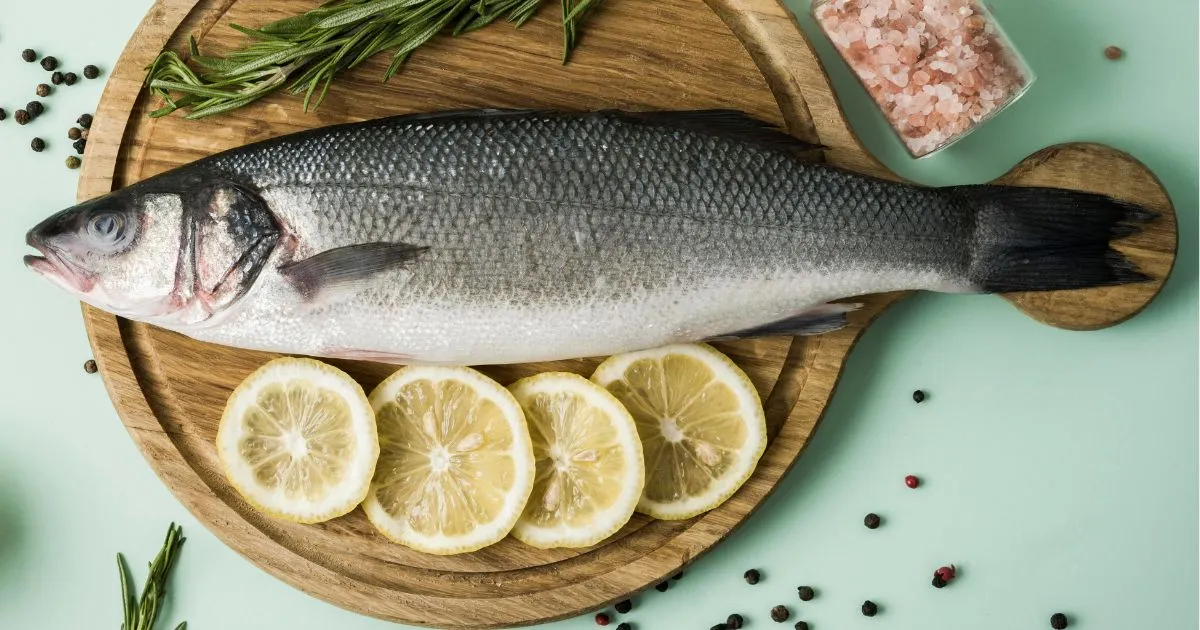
[508, 236]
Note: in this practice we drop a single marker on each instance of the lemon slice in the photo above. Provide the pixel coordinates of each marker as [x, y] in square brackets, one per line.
[455, 464]
[700, 420]
[297, 440]
[589, 462]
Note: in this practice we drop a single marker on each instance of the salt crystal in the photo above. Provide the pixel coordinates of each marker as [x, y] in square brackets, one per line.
[874, 37]
[942, 66]
[853, 31]
[867, 17]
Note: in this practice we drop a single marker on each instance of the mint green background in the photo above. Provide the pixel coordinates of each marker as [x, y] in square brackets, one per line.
[1060, 467]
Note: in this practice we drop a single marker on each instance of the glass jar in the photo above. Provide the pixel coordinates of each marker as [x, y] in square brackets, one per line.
[937, 69]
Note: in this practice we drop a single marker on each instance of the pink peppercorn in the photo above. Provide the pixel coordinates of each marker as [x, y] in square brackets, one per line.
[912, 481]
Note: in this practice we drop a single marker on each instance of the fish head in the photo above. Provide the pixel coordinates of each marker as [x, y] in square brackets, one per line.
[172, 255]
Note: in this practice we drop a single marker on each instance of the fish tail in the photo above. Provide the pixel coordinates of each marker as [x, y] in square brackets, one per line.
[1047, 239]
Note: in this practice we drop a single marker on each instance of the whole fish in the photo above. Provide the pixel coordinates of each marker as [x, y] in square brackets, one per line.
[501, 236]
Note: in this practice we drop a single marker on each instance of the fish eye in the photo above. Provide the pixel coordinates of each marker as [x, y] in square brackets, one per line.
[106, 227]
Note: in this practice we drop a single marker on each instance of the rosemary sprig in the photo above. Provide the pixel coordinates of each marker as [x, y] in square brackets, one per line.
[141, 612]
[306, 52]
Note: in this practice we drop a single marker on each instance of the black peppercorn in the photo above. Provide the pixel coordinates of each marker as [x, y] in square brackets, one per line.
[3, 114]
[22, 117]
[49, 64]
[90, 366]
[38, 145]
[91, 72]
[85, 121]
[780, 614]
[29, 55]
[918, 396]
[751, 576]
[79, 145]
[624, 606]
[801, 625]
[70, 78]
[719, 626]
[869, 608]
[56, 78]
[806, 593]
[624, 626]
[74, 133]
[42, 90]
[735, 622]
[35, 108]
[73, 162]
[662, 587]
[1058, 621]
[871, 520]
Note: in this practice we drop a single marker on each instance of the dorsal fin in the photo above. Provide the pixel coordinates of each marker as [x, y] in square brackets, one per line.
[730, 123]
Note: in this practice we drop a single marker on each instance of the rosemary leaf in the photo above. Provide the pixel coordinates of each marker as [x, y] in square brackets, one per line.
[141, 613]
[363, 12]
[127, 602]
[307, 52]
[291, 26]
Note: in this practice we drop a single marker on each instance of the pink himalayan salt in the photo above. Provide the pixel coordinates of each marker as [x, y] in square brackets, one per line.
[935, 67]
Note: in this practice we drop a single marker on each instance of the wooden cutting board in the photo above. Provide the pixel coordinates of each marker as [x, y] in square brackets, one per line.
[636, 54]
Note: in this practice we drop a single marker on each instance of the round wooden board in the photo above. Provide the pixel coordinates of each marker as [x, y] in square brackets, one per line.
[637, 54]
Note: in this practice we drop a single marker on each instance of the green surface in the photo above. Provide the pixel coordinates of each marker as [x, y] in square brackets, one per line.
[1060, 468]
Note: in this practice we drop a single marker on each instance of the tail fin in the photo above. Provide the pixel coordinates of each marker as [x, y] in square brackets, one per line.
[1044, 239]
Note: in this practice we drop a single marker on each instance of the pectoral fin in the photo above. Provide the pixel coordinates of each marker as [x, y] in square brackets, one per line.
[346, 268]
[814, 321]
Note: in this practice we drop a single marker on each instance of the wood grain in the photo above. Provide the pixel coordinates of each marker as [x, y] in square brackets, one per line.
[637, 54]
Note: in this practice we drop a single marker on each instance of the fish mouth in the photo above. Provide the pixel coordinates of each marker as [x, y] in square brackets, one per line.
[54, 266]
